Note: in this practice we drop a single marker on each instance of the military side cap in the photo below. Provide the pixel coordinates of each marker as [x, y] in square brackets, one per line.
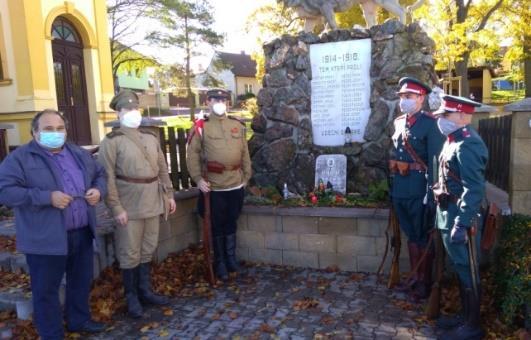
[412, 85]
[218, 93]
[125, 99]
[457, 104]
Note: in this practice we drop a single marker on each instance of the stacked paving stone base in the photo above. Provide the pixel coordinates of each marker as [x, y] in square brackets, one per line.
[351, 239]
[282, 149]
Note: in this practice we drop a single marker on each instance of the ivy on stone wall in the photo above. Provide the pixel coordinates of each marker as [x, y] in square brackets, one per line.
[512, 271]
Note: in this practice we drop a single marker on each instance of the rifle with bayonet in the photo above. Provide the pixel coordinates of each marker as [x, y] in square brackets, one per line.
[393, 242]
[396, 242]
[207, 237]
[434, 300]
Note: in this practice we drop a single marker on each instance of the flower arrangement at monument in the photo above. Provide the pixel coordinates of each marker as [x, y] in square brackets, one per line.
[323, 195]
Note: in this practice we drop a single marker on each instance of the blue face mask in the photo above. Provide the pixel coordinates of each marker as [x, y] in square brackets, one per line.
[52, 139]
[446, 126]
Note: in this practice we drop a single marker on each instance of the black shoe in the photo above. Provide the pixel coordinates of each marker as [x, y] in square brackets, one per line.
[453, 321]
[219, 258]
[464, 332]
[471, 328]
[450, 321]
[230, 252]
[145, 293]
[89, 327]
[130, 280]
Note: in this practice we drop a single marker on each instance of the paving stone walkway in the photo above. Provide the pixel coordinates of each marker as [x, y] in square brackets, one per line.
[284, 303]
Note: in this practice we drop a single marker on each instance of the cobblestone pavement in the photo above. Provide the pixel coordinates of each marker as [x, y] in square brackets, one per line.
[283, 303]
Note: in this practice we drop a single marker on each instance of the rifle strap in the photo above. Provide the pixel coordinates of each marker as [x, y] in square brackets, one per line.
[450, 173]
[133, 138]
[412, 153]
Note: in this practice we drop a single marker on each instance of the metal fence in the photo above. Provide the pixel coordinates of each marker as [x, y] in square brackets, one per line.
[496, 133]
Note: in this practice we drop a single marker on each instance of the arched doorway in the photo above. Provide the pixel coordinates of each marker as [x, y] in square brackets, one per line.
[70, 81]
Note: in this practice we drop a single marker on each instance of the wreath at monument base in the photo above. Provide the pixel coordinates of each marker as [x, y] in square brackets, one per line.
[322, 196]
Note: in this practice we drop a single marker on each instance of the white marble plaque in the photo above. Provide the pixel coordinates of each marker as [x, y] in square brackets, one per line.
[341, 90]
[333, 169]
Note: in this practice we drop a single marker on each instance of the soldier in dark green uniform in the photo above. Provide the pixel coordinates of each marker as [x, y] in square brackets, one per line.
[460, 191]
[416, 141]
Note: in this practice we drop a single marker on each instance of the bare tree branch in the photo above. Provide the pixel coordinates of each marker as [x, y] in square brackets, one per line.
[487, 16]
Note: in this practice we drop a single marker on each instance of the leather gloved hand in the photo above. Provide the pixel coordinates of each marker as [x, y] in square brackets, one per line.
[459, 234]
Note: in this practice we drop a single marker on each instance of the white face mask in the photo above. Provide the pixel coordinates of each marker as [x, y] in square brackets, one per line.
[131, 119]
[446, 126]
[408, 105]
[219, 108]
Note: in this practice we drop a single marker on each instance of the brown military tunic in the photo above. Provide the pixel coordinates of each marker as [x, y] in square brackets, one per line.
[223, 142]
[122, 157]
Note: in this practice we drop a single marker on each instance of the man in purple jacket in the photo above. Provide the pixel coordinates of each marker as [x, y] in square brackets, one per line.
[53, 188]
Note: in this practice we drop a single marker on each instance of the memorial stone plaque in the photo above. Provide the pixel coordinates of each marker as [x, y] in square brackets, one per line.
[333, 169]
[341, 88]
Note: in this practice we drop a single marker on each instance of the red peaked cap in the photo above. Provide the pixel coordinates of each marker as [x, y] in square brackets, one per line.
[412, 85]
[457, 104]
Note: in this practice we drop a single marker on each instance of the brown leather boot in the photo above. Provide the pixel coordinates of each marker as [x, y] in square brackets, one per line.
[423, 287]
[414, 254]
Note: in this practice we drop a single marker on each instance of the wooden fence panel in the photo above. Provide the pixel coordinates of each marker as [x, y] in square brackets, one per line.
[174, 163]
[173, 143]
[496, 133]
[3, 144]
[185, 176]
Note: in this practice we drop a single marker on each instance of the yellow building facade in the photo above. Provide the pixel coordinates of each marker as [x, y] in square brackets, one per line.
[247, 85]
[55, 54]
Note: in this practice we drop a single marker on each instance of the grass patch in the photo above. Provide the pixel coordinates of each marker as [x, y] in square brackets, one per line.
[507, 96]
[184, 122]
[180, 122]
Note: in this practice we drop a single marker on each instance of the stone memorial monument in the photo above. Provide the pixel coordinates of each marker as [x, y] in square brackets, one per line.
[316, 86]
[340, 94]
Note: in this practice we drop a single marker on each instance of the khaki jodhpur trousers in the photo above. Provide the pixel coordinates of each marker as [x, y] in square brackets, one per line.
[137, 241]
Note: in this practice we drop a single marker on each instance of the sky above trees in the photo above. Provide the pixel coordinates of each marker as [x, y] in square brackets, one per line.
[232, 20]
[229, 19]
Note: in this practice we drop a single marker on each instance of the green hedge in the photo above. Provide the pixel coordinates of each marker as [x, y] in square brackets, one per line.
[512, 276]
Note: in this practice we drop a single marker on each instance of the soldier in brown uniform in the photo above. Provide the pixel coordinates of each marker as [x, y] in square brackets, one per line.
[139, 191]
[218, 142]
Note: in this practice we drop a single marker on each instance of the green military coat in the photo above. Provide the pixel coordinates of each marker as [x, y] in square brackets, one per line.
[465, 155]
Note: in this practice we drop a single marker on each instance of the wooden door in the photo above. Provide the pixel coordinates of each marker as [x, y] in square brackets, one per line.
[70, 80]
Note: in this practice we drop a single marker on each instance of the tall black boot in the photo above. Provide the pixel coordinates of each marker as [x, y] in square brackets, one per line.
[145, 293]
[452, 321]
[230, 252]
[471, 329]
[130, 281]
[219, 258]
